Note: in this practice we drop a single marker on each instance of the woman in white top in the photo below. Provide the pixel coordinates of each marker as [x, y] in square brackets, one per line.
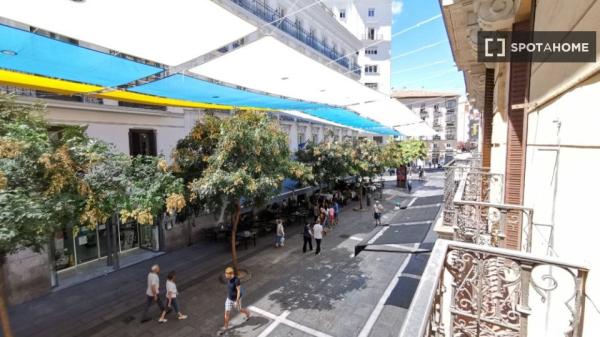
[280, 234]
[172, 295]
[318, 235]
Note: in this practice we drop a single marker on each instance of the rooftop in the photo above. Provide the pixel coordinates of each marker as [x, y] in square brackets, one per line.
[421, 94]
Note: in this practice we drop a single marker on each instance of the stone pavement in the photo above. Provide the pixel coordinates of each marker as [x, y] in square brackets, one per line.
[290, 293]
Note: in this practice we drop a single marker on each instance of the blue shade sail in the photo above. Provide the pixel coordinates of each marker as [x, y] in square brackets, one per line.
[31, 53]
[352, 119]
[193, 89]
[197, 90]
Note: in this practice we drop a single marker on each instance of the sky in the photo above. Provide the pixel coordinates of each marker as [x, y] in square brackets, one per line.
[421, 57]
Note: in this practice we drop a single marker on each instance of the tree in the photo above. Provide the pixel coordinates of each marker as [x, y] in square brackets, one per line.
[49, 180]
[190, 159]
[329, 161]
[250, 162]
[399, 153]
[366, 161]
[39, 184]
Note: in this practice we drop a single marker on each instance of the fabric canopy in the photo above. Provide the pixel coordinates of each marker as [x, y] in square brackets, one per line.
[35, 54]
[192, 89]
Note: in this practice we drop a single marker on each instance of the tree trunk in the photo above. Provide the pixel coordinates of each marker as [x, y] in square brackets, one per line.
[360, 195]
[6, 330]
[234, 224]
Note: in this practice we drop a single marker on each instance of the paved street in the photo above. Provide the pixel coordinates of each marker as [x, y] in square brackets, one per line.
[290, 293]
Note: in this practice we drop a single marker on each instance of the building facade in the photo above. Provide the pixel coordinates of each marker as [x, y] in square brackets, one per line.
[371, 22]
[538, 133]
[139, 129]
[438, 110]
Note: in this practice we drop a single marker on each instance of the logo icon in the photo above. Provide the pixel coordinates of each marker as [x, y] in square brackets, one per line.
[489, 52]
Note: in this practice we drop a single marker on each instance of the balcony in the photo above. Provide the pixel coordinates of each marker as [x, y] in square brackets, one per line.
[473, 290]
[274, 17]
[474, 210]
[372, 37]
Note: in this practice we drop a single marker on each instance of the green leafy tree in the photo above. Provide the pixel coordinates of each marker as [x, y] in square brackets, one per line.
[190, 156]
[399, 153]
[40, 187]
[250, 162]
[366, 162]
[329, 161]
[49, 180]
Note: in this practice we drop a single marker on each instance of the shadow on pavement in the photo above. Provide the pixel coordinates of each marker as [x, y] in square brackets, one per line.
[321, 284]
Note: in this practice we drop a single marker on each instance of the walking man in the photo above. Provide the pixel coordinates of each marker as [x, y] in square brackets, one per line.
[234, 298]
[377, 210]
[318, 234]
[152, 295]
[307, 235]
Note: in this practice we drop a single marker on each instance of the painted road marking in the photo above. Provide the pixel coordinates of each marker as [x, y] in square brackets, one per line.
[366, 330]
[411, 202]
[282, 319]
[378, 235]
[356, 238]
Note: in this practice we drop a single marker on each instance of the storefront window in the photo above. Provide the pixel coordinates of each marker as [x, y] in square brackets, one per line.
[86, 245]
[64, 253]
[129, 235]
[149, 237]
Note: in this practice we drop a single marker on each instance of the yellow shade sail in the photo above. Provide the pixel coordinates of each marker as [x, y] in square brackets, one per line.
[17, 79]
[155, 100]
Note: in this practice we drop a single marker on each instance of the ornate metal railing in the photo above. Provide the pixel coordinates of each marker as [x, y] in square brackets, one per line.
[480, 217]
[455, 171]
[472, 290]
[275, 18]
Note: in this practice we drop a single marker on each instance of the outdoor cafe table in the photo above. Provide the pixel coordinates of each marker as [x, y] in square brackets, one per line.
[246, 236]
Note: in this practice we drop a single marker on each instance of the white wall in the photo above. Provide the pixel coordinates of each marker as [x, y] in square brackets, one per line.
[573, 170]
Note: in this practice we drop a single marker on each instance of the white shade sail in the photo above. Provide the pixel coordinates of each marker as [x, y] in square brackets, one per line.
[170, 32]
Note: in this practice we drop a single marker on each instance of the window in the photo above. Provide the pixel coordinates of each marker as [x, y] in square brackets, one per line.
[451, 104]
[342, 13]
[371, 69]
[372, 85]
[371, 33]
[371, 12]
[371, 51]
[142, 142]
[448, 145]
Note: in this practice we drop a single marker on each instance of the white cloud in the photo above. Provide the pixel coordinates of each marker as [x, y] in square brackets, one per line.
[397, 6]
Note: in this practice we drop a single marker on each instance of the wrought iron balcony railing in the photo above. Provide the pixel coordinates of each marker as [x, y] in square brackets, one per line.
[274, 17]
[475, 210]
[473, 290]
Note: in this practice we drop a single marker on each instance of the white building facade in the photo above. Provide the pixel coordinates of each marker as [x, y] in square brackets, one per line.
[371, 22]
[439, 111]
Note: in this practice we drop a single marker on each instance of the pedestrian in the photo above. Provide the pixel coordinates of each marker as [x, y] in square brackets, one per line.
[235, 292]
[153, 295]
[331, 213]
[172, 295]
[377, 210]
[318, 235]
[408, 186]
[336, 209]
[323, 215]
[280, 234]
[307, 235]
[421, 173]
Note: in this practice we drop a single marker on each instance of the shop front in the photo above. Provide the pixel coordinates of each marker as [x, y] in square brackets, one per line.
[74, 247]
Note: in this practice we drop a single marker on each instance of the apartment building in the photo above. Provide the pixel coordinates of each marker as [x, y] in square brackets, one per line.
[371, 22]
[439, 110]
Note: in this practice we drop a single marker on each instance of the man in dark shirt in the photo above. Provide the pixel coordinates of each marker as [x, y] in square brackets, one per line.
[307, 237]
[234, 297]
